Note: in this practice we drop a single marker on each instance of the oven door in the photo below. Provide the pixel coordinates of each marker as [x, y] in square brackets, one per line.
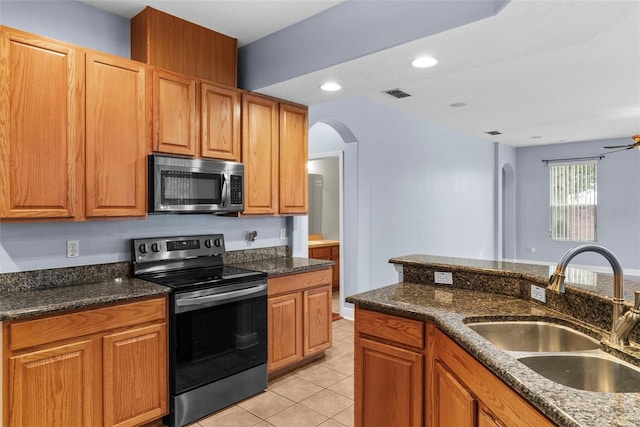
[217, 333]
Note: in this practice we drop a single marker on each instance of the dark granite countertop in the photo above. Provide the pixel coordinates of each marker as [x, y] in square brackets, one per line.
[35, 293]
[451, 308]
[285, 265]
[23, 303]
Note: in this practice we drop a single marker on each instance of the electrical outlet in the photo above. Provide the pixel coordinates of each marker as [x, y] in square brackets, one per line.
[73, 248]
[283, 234]
[538, 293]
[443, 278]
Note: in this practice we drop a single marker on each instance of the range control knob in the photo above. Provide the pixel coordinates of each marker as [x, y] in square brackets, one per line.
[155, 247]
[143, 248]
[218, 242]
[208, 243]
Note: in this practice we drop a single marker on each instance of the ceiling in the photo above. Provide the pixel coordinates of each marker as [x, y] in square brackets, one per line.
[540, 71]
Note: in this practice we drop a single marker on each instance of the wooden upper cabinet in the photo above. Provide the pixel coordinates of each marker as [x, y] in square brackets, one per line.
[219, 122]
[294, 184]
[116, 137]
[174, 113]
[169, 42]
[260, 154]
[41, 127]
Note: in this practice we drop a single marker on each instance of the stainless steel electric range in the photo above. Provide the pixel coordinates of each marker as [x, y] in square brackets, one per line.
[217, 327]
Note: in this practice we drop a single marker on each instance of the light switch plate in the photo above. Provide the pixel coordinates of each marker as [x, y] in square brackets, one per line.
[538, 293]
[443, 278]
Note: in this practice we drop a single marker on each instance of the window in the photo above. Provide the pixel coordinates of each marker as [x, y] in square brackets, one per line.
[573, 201]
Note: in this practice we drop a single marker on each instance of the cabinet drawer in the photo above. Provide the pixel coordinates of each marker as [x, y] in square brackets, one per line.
[299, 281]
[388, 327]
[335, 250]
[30, 333]
[321, 253]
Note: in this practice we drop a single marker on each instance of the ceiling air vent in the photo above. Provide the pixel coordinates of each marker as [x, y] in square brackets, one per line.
[397, 93]
[494, 132]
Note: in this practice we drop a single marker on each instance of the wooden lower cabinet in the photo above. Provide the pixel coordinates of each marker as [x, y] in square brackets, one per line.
[98, 367]
[55, 386]
[454, 405]
[329, 252]
[388, 385]
[410, 373]
[299, 317]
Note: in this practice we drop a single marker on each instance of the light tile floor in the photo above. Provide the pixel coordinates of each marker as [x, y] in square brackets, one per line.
[317, 394]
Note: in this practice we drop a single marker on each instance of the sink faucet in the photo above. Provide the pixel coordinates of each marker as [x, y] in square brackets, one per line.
[621, 326]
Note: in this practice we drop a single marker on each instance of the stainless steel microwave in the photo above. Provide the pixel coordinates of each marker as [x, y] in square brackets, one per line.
[185, 185]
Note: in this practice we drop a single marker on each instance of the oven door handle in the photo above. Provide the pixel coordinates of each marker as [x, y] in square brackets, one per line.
[208, 299]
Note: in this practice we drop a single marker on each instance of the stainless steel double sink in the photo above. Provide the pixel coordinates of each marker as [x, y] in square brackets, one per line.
[561, 354]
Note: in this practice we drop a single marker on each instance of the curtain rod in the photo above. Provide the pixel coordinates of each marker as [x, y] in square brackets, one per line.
[601, 156]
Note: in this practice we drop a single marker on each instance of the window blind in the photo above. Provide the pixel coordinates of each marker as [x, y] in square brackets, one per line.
[574, 195]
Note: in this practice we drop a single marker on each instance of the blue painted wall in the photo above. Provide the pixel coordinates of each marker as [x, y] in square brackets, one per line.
[34, 246]
[618, 220]
[411, 186]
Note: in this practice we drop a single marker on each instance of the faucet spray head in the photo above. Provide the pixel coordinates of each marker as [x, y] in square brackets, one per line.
[556, 281]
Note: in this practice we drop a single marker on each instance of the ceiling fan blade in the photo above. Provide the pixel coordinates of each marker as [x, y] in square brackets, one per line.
[621, 146]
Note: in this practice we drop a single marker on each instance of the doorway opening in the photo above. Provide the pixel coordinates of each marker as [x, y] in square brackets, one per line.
[325, 213]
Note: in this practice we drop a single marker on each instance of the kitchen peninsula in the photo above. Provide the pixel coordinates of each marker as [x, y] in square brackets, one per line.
[420, 327]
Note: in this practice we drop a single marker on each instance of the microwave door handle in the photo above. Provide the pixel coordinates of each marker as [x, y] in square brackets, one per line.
[223, 199]
[220, 297]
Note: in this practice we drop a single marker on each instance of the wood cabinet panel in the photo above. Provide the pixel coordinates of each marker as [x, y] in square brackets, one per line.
[219, 122]
[298, 282]
[260, 153]
[169, 42]
[454, 405]
[393, 328]
[135, 376]
[41, 127]
[54, 387]
[505, 404]
[294, 185]
[317, 320]
[175, 121]
[285, 330]
[116, 137]
[388, 385]
[299, 317]
[30, 333]
[108, 368]
[330, 253]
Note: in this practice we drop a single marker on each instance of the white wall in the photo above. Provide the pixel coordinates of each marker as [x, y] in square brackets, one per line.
[411, 186]
[618, 217]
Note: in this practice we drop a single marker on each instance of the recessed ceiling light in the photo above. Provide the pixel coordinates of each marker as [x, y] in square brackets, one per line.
[536, 137]
[457, 104]
[330, 87]
[424, 62]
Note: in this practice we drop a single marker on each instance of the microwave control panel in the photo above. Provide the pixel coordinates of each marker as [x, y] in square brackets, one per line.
[236, 189]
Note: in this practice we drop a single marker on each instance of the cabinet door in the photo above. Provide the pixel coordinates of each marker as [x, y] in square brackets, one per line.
[116, 137]
[135, 376]
[317, 320]
[41, 128]
[55, 387]
[260, 154]
[285, 330]
[486, 419]
[174, 113]
[219, 122]
[388, 385]
[294, 184]
[454, 405]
